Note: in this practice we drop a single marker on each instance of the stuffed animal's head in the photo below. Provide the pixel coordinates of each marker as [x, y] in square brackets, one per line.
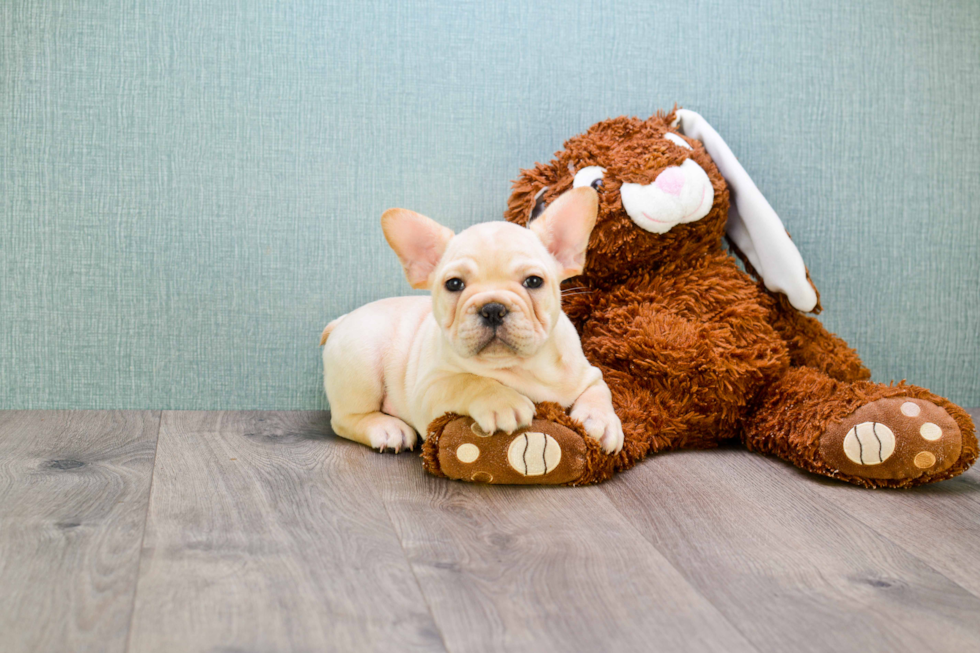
[660, 195]
[663, 186]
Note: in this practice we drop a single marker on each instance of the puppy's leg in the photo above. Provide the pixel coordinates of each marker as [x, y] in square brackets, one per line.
[594, 410]
[493, 406]
[379, 431]
[355, 390]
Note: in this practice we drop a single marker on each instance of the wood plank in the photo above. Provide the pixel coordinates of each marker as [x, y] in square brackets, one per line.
[541, 569]
[74, 487]
[265, 532]
[939, 524]
[790, 567]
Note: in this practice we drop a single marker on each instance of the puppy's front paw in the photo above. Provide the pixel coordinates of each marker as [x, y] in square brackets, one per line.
[387, 433]
[502, 410]
[602, 425]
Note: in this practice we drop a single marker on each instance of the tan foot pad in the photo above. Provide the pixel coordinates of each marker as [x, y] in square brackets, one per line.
[545, 453]
[893, 438]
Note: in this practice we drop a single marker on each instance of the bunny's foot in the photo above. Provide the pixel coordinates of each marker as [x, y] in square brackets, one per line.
[541, 454]
[893, 438]
[553, 450]
[862, 432]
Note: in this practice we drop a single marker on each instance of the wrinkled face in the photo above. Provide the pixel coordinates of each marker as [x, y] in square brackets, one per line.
[660, 194]
[495, 293]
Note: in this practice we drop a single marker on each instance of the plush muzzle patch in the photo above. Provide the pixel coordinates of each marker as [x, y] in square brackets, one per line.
[679, 194]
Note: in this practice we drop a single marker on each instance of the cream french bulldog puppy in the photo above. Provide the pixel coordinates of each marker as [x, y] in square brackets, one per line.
[489, 342]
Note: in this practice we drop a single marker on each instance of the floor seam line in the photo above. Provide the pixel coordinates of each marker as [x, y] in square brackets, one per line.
[680, 573]
[411, 568]
[146, 519]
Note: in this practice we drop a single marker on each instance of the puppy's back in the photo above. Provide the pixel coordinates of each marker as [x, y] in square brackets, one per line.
[369, 334]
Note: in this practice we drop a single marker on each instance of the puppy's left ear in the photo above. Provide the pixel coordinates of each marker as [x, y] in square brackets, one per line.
[418, 241]
[565, 227]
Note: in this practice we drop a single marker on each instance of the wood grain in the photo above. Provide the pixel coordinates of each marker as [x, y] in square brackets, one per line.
[73, 495]
[265, 533]
[939, 524]
[541, 569]
[777, 556]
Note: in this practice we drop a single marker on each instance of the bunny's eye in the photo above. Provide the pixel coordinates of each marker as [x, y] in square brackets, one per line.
[590, 176]
[539, 205]
[677, 140]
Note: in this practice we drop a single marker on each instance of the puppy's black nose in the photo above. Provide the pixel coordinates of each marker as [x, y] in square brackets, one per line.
[493, 313]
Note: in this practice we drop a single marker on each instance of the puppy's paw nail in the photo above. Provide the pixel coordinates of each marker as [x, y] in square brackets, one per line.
[613, 439]
[504, 411]
[612, 444]
[603, 427]
[507, 422]
[390, 434]
[525, 414]
[486, 424]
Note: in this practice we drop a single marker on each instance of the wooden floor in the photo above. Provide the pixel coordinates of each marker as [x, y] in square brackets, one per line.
[183, 531]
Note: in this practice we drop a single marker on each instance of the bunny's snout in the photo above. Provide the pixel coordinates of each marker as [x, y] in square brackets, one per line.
[671, 181]
[678, 195]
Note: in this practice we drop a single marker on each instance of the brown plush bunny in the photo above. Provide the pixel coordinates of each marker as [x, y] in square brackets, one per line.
[695, 350]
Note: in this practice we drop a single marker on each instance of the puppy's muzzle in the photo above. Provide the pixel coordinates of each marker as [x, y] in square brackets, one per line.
[492, 314]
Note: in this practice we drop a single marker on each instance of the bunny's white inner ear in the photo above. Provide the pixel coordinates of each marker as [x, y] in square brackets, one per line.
[752, 223]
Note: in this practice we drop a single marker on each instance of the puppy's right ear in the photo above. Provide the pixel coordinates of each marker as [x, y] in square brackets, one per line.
[418, 241]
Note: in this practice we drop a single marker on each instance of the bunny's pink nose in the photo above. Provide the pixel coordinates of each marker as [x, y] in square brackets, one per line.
[671, 181]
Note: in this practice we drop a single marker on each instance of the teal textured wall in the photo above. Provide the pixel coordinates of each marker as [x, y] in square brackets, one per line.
[190, 190]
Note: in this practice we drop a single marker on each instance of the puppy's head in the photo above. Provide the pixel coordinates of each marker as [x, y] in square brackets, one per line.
[496, 286]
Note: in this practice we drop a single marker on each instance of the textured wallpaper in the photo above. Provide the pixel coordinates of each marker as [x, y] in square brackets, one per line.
[190, 190]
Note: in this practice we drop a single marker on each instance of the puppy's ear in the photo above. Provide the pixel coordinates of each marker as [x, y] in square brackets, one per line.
[418, 241]
[565, 227]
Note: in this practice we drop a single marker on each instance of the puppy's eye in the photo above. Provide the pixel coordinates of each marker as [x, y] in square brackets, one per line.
[455, 284]
[677, 140]
[539, 205]
[533, 282]
[590, 176]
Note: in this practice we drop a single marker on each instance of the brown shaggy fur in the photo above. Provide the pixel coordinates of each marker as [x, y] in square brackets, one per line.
[695, 350]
